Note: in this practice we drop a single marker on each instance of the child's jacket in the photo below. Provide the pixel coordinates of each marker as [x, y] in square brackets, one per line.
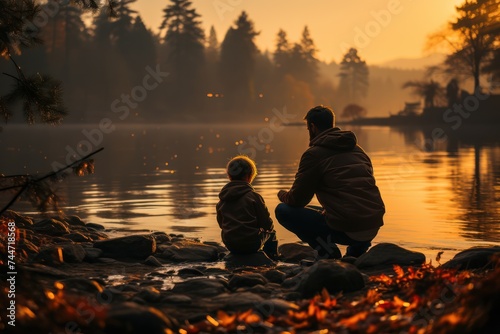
[243, 217]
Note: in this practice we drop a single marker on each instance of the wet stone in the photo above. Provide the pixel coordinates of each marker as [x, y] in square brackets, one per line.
[473, 258]
[246, 280]
[51, 227]
[387, 254]
[333, 275]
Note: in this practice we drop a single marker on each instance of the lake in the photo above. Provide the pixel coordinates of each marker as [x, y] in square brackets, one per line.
[441, 194]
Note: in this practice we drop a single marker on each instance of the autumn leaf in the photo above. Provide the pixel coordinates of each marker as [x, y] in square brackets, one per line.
[399, 271]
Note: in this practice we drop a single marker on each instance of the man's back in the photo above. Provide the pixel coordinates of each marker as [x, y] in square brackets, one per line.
[347, 188]
[340, 173]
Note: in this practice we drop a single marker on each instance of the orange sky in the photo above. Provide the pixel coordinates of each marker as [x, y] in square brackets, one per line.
[381, 30]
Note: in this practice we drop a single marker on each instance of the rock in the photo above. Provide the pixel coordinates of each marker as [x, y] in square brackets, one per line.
[27, 246]
[349, 259]
[74, 221]
[113, 295]
[189, 251]
[294, 252]
[130, 247]
[77, 237]
[51, 227]
[275, 276]
[94, 226]
[274, 306]
[205, 287]
[41, 269]
[333, 275]
[60, 253]
[177, 299]
[220, 248]
[246, 280]
[96, 236]
[21, 221]
[251, 260]
[190, 272]
[149, 294]
[92, 254]
[385, 254]
[131, 317]
[237, 301]
[473, 258]
[153, 261]
[161, 237]
[216, 272]
[82, 285]
[106, 260]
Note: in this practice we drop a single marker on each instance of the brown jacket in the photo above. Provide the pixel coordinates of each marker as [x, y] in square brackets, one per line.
[340, 173]
[243, 217]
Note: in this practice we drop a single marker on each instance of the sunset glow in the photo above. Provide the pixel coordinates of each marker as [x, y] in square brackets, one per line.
[382, 30]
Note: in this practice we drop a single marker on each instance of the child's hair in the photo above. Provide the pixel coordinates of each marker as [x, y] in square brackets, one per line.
[240, 168]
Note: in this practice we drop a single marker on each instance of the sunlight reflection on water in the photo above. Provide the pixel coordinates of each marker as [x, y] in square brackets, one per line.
[440, 198]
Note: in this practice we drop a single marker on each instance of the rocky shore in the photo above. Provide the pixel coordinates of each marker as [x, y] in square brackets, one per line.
[71, 277]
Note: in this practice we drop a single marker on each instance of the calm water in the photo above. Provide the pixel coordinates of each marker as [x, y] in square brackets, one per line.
[439, 194]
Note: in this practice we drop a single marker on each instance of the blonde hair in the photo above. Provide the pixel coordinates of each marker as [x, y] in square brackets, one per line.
[241, 167]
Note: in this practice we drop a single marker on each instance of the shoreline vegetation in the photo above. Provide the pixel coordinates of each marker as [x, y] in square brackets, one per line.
[476, 111]
[69, 276]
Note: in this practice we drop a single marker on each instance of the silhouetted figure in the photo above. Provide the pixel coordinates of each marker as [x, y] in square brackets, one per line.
[340, 174]
[242, 214]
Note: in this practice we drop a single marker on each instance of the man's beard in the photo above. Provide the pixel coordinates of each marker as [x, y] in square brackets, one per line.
[312, 135]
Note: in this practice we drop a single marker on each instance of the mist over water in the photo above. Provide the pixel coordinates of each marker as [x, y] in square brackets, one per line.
[439, 195]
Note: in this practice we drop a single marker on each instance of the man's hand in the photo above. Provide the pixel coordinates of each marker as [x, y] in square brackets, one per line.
[282, 193]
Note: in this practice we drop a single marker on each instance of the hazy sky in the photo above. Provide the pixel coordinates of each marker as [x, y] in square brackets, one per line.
[381, 30]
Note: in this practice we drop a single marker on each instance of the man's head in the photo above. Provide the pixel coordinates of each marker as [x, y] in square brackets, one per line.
[319, 119]
[241, 168]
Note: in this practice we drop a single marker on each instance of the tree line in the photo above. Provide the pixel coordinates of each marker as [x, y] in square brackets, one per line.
[105, 62]
[204, 78]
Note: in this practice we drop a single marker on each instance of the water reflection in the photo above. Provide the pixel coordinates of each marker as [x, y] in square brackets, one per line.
[473, 166]
[440, 194]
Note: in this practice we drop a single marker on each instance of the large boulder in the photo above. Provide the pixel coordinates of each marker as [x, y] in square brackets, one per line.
[385, 254]
[130, 247]
[330, 274]
[473, 258]
[189, 251]
[295, 252]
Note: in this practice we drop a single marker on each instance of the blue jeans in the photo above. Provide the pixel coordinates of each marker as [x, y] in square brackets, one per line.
[309, 224]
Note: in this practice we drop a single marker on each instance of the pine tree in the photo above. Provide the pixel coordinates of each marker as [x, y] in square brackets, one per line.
[309, 50]
[183, 55]
[237, 65]
[281, 54]
[353, 77]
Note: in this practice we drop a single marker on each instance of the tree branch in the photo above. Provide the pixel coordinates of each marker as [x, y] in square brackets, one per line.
[31, 181]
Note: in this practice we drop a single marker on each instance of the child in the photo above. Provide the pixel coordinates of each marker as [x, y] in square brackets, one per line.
[242, 214]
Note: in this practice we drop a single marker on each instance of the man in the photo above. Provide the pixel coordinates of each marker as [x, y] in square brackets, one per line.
[340, 174]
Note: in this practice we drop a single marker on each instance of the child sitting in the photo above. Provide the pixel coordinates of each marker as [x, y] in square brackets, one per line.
[242, 214]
